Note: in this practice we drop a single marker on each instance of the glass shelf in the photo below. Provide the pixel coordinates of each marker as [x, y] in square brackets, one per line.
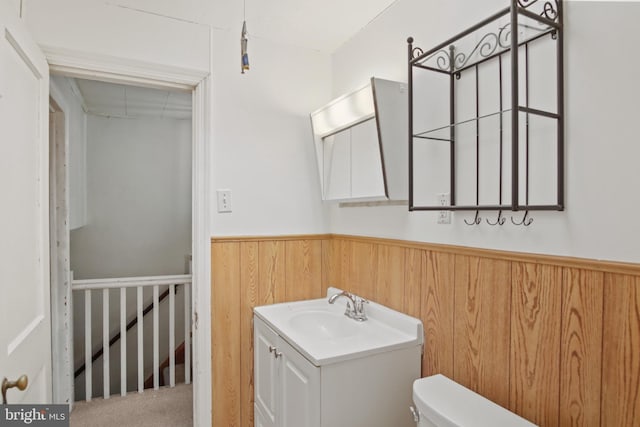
[435, 134]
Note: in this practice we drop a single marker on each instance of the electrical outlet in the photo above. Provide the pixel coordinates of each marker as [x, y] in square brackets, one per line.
[224, 200]
[444, 217]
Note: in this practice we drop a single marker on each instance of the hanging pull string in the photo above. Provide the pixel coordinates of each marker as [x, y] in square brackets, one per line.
[244, 55]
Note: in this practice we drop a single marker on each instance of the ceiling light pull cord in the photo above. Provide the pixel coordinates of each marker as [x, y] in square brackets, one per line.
[244, 56]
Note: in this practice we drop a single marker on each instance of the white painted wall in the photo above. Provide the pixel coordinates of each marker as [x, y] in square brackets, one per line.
[263, 148]
[261, 132]
[65, 93]
[601, 109]
[16, 6]
[107, 29]
[139, 199]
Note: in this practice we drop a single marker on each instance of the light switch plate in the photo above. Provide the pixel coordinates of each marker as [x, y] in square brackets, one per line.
[224, 200]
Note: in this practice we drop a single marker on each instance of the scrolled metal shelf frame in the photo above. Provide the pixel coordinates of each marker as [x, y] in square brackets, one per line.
[444, 58]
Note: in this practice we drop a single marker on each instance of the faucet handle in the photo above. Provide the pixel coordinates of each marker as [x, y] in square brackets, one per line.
[361, 303]
[349, 311]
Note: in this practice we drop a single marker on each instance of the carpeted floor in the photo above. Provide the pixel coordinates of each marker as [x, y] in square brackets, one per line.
[165, 407]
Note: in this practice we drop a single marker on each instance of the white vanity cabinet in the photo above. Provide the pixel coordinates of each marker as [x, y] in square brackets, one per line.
[338, 381]
[287, 386]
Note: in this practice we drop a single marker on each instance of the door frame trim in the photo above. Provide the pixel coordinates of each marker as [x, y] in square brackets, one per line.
[119, 70]
[60, 286]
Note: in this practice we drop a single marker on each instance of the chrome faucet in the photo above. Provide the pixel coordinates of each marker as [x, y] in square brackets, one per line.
[357, 311]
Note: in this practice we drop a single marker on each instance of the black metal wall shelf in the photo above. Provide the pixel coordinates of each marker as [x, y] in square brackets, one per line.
[493, 51]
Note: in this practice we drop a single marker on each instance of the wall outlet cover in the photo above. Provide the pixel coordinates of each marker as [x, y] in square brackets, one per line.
[444, 217]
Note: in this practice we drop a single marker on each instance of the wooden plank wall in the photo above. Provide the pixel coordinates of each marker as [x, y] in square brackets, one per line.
[246, 273]
[556, 340]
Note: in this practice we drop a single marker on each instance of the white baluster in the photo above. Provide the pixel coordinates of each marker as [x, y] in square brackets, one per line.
[187, 334]
[172, 335]
[105, 344]
[123, 341]
[140, 343]
[87, 345]
[156, 350]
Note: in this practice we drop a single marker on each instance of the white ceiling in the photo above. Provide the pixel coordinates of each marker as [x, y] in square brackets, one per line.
[322, 25]
[116, 100]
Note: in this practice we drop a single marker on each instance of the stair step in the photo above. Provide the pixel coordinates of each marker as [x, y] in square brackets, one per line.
[179, 374]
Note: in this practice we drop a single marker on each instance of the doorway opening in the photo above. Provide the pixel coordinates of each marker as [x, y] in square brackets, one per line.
[197, 258]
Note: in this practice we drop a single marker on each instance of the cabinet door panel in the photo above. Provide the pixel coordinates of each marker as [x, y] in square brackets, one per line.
[337, 166]
[366, 162]
[300, 392]
[266, 374]
[259, 420]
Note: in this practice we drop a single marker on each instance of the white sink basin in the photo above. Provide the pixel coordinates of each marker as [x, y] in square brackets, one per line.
[323, 324]
[324, 335]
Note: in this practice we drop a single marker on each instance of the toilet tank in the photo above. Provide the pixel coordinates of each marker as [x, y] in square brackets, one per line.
[441, 402]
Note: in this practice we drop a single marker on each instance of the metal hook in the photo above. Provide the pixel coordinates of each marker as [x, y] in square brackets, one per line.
[524, 221]
[499, 221]
[475, 221]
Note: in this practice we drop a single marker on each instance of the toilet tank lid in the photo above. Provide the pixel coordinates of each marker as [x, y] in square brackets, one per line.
[448, 404]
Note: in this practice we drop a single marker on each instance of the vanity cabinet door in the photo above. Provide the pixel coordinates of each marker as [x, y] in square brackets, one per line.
[367, 178]
[300, 389]
[259, 419]
[337, 166]
[266, 379]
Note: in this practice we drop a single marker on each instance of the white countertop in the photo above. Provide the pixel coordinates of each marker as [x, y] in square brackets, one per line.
[345, 339]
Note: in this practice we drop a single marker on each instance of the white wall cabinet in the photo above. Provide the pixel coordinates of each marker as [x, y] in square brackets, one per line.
[361, 143]
[290, 391]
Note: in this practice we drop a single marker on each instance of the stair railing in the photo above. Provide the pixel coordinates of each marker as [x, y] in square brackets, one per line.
[106, 285]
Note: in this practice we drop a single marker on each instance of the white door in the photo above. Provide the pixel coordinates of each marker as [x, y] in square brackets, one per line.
[25, 326]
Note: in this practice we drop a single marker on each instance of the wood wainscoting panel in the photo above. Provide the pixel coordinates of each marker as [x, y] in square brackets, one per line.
[303, 269]
[389, 284]
[581, 348]
[437, 314]
[621, 351]
[325, 259]
[340, 261]
[414, 270]
[246, 274]
[554, 339]
[249, 278]
[271, 272]
[481, 331]
[361, 273]
[535, 342]
[226, 333]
